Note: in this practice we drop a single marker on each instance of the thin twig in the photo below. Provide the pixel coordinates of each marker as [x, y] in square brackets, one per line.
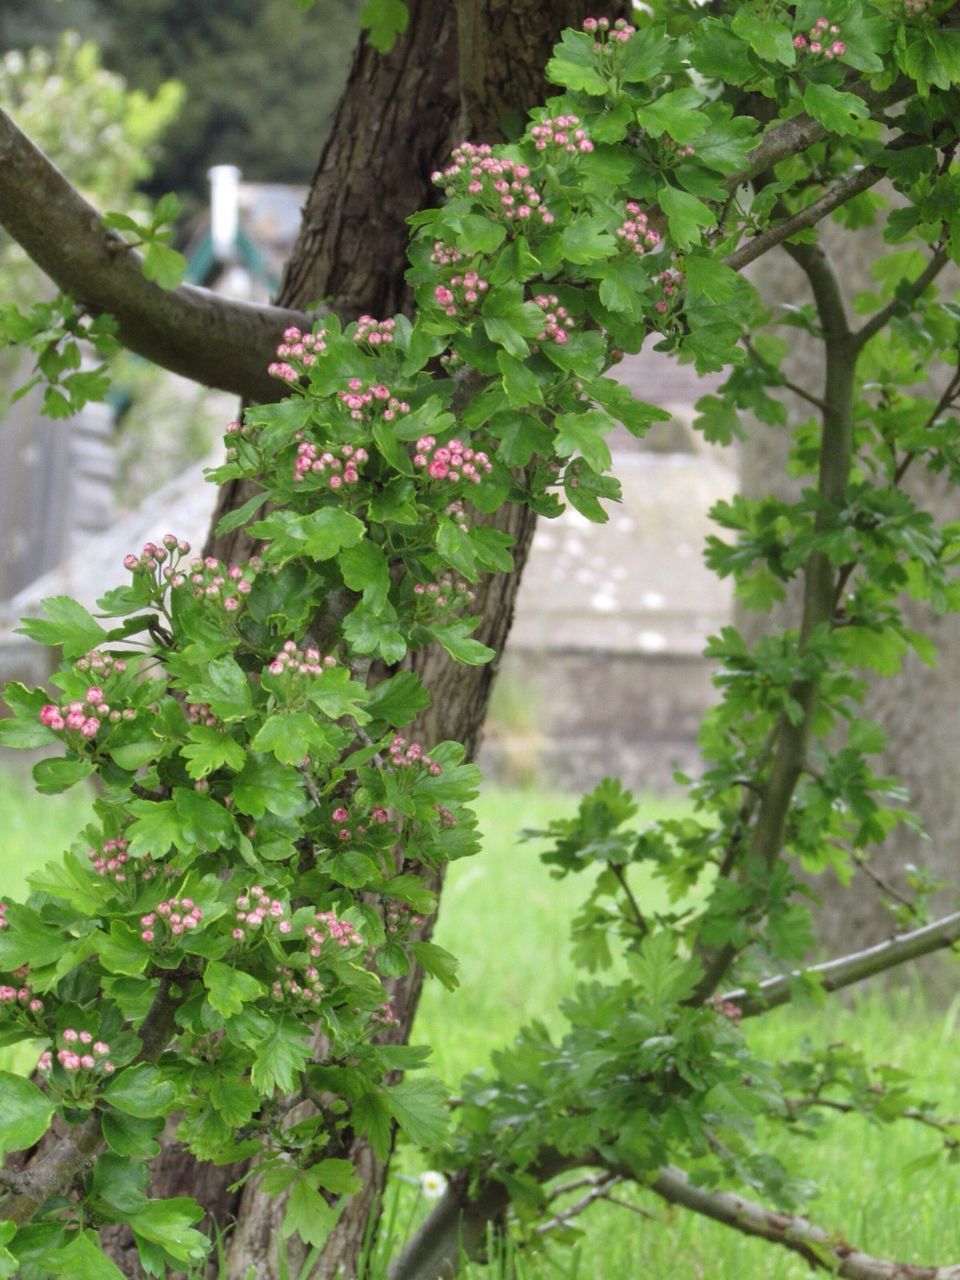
[597, 1192]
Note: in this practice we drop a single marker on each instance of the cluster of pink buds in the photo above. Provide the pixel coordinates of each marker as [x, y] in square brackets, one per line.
[112, 861]
[151, 558]
[505, 183]
[452, 461]
[557, 320]
[446, 816]
[337, 471]
[200, 713]
[80, 1052]
[4, 922]
[329, 928]
[727, 1009]
[305, 662]
[669, 282]
[818, 40]
[359, 399]
[913, 8]
[447, 589]
[311, 989]
[563, 132]
[399, 918]
[404, 755]
[83, 716]
[445, 255]
[379, 333]
[385, 1015]
[255, 907]
[22, 995]
[681, 153]
[636, 231]
[226, 584]
[341, 815]
[301, 347]
[619, 33]
[463, 292]
[104, 664]
[180, 914]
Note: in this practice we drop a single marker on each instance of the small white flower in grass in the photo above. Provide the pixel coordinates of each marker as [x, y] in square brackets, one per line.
[432, 1184]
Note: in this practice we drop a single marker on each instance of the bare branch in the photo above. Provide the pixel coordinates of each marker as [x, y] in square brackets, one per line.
[844, 971]
[917, 289]
[602, 1183]
[213, 340]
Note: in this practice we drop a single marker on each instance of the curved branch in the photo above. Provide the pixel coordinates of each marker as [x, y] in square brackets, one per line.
[216, 341]
[917, 289]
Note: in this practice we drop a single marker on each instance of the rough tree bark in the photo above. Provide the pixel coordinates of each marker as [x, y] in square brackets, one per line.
[457, 72]
[919, 709]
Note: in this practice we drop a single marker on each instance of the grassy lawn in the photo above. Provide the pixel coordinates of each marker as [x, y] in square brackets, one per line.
[507, 921]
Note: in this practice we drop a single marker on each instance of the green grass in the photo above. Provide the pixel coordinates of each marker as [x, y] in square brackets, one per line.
[507, 920]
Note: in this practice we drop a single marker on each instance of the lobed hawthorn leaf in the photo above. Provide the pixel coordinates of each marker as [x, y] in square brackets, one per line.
[675, 114]
[384, 19]
[25, 1113]
[685, 215]
[67, 624]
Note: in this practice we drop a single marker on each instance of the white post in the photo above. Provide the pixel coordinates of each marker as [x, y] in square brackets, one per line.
[224, 210]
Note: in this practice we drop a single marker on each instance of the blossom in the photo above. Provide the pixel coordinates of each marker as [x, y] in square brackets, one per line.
[432, 1184]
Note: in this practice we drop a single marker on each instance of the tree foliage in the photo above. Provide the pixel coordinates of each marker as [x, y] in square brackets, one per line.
[265, 826]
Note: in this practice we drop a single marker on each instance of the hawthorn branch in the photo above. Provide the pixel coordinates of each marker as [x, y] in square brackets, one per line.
[216, 341]
[923, 281]
[846, 970]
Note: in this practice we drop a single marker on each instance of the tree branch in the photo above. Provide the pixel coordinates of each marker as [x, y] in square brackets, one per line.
[213, 340]
[917, 289]
[844, 971]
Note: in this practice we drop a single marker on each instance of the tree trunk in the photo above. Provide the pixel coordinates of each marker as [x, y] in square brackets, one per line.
[399, 116]
[919, 709]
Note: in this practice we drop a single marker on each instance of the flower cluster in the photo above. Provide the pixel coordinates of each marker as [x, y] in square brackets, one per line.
[226, 584]
[104, 664]
[452, 461]
[727, 1009]
[330, 928]
[4, 922]
[22, 995]
[505, 183]
[817, 40]
[563, 132]
[359, 399]
[180, 914]
[311, 461]
[80, 1052]
[301, 347]
[681, 153]
[619, 33]
[446, 589]
[200, 713]
[377, 332]
[636, 231]
[151, 558]
[445, 255]
[84, 716]
[253, 908]
[385, 1015]
[311, 989]
[460, 292]
[557, 320]
[294, 661]
[405, 756]
[399, 918]
[669, 282]
[112, 859]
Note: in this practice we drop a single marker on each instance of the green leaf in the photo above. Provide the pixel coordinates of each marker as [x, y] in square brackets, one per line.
[676, 114]
[227, 690]
[167, 1223]
[54, 776]
[81, 1259]
[575, 65]
[335, 1175]
[836, 111]
[210, 749]
[585, 239]
[519, 381]
[583, 487]
[771, 41]
[155, 829]
[385, 20]
[164, 265]
[129, 1136]
[647, 55]
[419, 1106]
[456, 548]
[280, 1057]
[399, 699]
[309, 1215]
[438, 962]
[365, 568]
[142, 1091]
[240, 515]
[122, 950]
[585, 432]
[685, 215]
[479, 234]
[25, 1113]
[292, 735]
[229, 989]
[68, 624]
[265, 785]
[455, 638]
[370, 1116]
[368, 631]
[708, 278]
